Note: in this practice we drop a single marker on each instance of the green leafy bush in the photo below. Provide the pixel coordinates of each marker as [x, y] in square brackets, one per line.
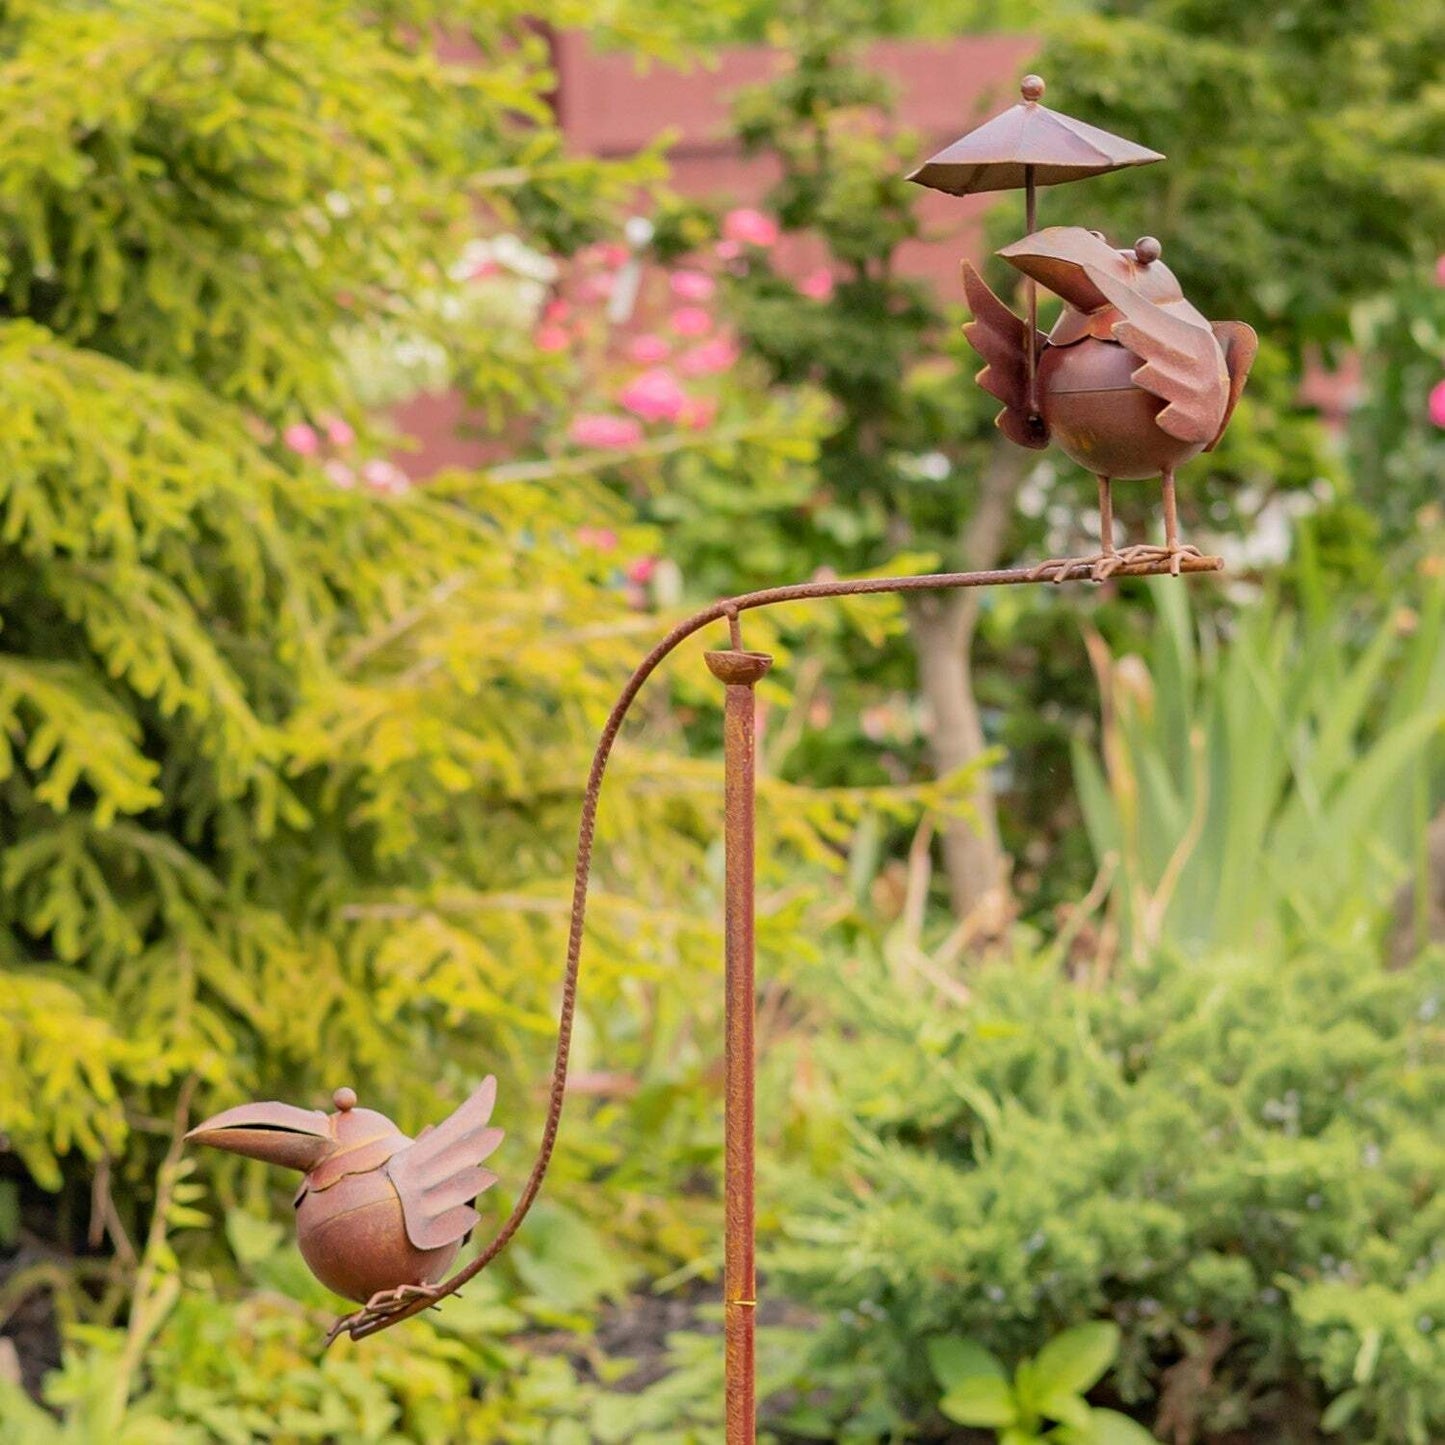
[1234, 1159]
[1223, 1138]
[1045, 1398]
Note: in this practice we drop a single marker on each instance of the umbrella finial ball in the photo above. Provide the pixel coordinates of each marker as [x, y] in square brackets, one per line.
[1147, 250]
[1031, 87]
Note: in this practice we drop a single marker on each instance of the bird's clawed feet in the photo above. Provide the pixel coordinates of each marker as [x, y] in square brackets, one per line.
[380, 1308]
[1103, 565]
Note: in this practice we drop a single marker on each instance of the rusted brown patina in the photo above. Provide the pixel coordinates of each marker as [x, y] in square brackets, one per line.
[379, 1216]
[739, 672]
[1131, 382]
[1025, 147]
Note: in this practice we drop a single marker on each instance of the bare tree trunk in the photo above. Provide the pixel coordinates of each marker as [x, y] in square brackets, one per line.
[943, 628]
[973, 855]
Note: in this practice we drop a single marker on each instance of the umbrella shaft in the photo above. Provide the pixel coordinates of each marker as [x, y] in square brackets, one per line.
[1031, 292]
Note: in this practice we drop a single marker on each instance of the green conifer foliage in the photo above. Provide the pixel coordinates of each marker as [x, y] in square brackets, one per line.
[289, 773]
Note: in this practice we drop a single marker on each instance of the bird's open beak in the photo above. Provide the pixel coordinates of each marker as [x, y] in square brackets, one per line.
[1060, 258]
[276, 1133]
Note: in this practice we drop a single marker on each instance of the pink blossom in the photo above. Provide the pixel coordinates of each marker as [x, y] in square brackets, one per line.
[302, 439]
[612, 253]
[750, 227]
[382, 475]
[641, 571]
[601, 430]
[556, 310]
[727, 250]
[691, 321]
[1437, 404]
[711, 357]
[553, 338]
[482, 270]
[692, 285]
[339, 474]
[654, 396]
[604, 539]
[817, 285]
[597, 287]
[698, 413]
[648, 349]
[1440, 271]
[338, 431]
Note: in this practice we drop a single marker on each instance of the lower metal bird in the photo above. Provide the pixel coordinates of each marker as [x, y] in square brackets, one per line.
[379, 1216]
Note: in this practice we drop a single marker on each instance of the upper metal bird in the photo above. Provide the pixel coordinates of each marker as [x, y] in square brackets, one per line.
[1131, 382]
[379, 1216]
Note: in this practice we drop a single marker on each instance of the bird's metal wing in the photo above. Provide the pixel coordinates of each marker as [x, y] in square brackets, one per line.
[438, 1174]
[1240, 346]
[1183, 363]
[1001, 339]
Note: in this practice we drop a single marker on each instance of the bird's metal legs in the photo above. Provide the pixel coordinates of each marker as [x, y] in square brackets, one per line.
[1109, 560]
[1173, 551]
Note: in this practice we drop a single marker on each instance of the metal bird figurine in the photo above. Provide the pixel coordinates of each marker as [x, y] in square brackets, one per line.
[379, 1216]
[1131, 382]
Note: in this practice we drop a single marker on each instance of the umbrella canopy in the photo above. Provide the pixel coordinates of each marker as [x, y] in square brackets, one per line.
[999, 155]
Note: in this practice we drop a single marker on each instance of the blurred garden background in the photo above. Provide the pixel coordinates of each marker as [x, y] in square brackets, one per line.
[377, 383]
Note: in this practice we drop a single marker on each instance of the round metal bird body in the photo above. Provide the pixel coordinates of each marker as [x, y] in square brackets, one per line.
[1131, 382]
[378, 1215]
[1099, 417]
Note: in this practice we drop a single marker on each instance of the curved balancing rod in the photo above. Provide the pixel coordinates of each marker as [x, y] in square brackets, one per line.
[368, 1321]
[419, 1192]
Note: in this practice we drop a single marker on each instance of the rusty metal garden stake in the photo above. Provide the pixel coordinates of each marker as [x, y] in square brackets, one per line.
[1130, 382]
[739, 671]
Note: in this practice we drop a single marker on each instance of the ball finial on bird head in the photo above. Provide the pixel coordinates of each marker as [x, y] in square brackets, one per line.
[1031, 87]
[344, 1099]
[1147, 250]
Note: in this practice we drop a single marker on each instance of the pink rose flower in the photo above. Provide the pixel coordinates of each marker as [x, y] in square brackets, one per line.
[817, 285]
[302, 439]
[1437, 404]
[642, 570]
[385, 476]
[727, 250]
[654, 396]
[692, 285]
[339, 474]
[605, 432]
[338, 431]
[553, 338]
[556, 310]
[749, 227]
[691, 321]
[719, 354]
[648, 349]
[597, 287]
[604, 539]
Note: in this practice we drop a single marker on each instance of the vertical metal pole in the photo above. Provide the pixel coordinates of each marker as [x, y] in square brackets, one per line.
[1031, 220]
[739, 671]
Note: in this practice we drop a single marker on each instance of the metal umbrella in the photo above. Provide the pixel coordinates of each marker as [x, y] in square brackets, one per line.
[1028, 145]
